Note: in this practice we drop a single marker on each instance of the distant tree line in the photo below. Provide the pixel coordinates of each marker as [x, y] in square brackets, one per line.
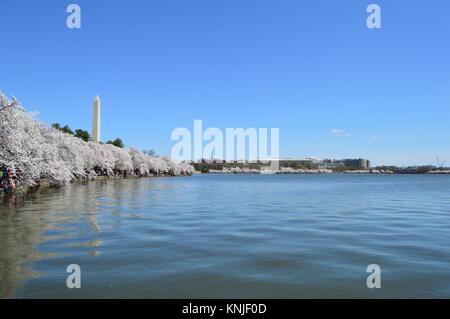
[84, 135]
[296, 165]
[206, 167]
[117, 142]
[410, 170]
[395, 169]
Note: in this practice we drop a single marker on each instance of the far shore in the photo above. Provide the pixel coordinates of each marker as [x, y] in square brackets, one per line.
[290, 171]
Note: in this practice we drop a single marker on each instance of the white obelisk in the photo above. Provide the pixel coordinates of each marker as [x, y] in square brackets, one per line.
[96, 120]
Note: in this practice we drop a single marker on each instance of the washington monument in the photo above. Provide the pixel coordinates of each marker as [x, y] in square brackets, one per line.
[96, 120]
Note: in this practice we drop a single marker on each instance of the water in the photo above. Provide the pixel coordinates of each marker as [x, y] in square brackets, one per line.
[231, 236]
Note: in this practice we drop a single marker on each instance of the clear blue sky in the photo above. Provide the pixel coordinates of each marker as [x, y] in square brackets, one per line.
[306, 67]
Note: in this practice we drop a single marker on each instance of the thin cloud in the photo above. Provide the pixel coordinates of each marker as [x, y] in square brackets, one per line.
[340, 133]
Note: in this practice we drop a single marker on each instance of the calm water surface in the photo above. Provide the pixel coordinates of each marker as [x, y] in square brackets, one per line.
[231, 236]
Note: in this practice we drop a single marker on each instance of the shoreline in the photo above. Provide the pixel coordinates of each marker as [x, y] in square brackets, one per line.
[45, 183]
[316, 172]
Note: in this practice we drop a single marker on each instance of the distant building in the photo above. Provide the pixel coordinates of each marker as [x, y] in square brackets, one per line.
[301, 161]
[360, 163]
[309, 162]
[365, 163]
[211, 161]
[331, 163]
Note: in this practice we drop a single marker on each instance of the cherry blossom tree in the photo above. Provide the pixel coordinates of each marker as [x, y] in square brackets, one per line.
[40, 152]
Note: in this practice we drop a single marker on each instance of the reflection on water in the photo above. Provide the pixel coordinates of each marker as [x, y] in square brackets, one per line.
[230, 237]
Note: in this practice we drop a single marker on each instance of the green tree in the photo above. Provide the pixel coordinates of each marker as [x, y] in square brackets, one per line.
[391, 168]
[66, 129]
[117, 142]
[424, 169]
[151, 153]
[84, 135]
